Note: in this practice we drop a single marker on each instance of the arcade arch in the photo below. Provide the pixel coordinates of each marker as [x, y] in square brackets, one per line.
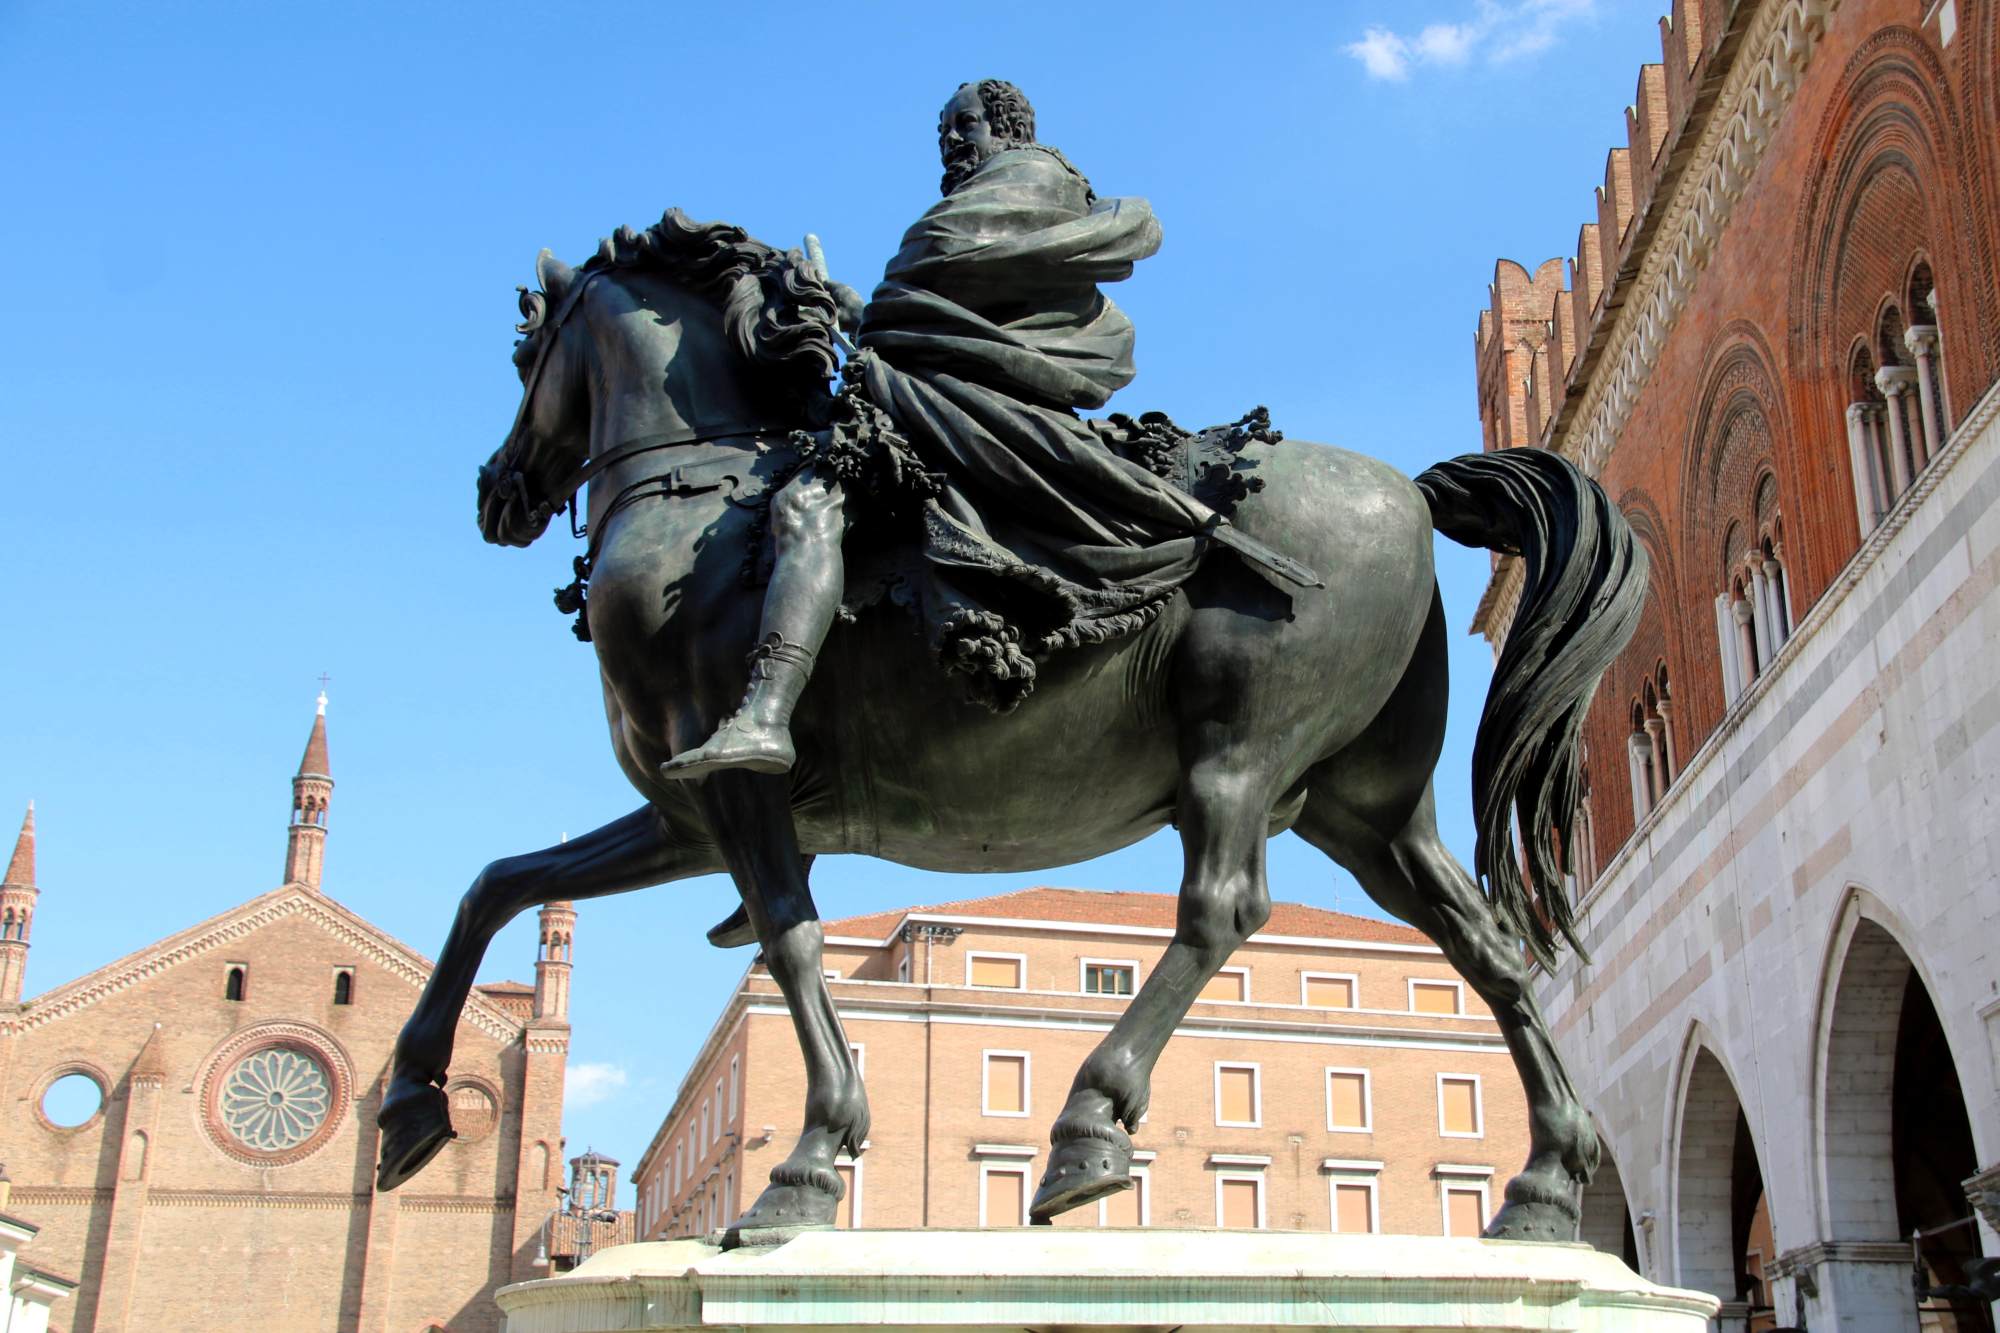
[1722, 1221]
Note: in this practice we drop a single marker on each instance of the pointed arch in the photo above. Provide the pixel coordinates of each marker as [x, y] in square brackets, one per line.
[1715, 1174]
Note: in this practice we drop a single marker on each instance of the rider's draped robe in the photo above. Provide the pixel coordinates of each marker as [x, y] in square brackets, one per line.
[986, 334]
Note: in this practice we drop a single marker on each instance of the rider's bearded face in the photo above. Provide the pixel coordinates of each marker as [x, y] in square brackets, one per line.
[966, 138]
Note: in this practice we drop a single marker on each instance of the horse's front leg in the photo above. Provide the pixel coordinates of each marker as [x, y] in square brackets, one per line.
[628, 853]
[751, 817]
[1224, 899]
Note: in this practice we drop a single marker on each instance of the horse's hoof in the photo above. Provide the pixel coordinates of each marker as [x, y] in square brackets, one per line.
[781, 1213]
[1532, 1214]
[733, 931]
[416, 1124]
[1082, 1170]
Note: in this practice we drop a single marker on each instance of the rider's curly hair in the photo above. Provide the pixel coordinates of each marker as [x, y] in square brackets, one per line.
[1007, 109]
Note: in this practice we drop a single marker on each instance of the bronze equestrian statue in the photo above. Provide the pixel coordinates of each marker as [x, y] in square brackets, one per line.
[1036, 607]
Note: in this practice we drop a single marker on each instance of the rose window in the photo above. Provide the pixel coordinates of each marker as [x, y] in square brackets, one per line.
[275, 1099]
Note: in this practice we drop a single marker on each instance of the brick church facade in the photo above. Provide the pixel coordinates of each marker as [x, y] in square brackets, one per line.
[1776, 346]
[225, 1177]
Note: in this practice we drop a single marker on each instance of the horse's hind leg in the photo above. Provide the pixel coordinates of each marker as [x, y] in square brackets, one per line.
[1223, 818]
[628, 853]
[1410, 873]
[752, 819]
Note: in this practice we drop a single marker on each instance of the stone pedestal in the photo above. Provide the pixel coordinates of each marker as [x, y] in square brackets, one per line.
[1103, 1279]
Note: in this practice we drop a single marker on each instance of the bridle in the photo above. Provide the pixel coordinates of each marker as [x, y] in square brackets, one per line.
[676, 481]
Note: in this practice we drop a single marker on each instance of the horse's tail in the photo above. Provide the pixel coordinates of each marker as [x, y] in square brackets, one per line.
[1583, 584]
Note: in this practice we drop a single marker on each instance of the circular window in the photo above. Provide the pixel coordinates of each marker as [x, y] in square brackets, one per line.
[72, 1100]
[275, 1093]
[473, 1111]
[275, 1099]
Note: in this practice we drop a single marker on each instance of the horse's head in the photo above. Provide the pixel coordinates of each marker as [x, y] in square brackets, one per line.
[551, 434]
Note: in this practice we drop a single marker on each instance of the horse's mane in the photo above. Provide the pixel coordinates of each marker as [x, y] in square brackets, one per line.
[776, 306]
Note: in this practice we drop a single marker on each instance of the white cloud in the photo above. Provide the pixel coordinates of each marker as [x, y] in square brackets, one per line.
[589, 1084]
[1500, 32]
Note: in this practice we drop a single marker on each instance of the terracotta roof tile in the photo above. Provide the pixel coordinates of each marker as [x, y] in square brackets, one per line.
[1100, 907]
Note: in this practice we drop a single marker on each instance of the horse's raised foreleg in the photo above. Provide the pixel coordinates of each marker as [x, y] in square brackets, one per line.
[628, 853]
[752, 819]
[1412, 875]
[1223, 817]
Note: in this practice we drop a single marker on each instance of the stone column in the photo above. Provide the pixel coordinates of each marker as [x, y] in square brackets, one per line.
[1781, 608]
[1896, 382]
[1639, 758]
[1760, 612]
[1657, 754]
[1746, 639]
[1868, 494]
[1848, 1284]
[1983, 1192]
[1725, 642]
[1666, 740]
[1922, 340]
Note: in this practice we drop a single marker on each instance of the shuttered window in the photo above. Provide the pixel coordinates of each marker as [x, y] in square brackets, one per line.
[1434, 997]
[997, 973]
[1238, 1203]
[1236, 1095]
[1006, 1084]
[1231, 985]
[1346, 1099]
[1353, 1213]
[1127, 1208]
[843, 1214]
[1464, 1212]
[1330, 992]
[1458, 1106]
[1006, 1192]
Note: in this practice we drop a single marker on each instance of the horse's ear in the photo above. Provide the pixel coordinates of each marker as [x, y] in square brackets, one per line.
[554, 275]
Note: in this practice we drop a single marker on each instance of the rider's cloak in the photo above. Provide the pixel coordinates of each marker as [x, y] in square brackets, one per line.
[986, 335]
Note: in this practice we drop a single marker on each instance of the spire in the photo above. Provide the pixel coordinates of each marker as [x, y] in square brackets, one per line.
[314, 763]
[312, 793]
[21, 869]
[18, 895]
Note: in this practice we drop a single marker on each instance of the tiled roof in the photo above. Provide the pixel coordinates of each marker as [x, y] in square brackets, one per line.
[1103, 908]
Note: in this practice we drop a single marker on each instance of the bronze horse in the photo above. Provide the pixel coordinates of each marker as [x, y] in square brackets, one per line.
[670, 371]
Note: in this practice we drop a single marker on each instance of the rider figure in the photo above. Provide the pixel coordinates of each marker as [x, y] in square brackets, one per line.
[985, 337]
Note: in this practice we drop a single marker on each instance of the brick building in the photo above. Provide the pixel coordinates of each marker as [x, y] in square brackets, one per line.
[1776, 347]
[192, 1126]
[1337, 1075]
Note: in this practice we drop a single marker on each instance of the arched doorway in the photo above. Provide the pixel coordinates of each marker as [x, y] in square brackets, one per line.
[1606, 1223]
[1896, 1138]
[1722, 1223]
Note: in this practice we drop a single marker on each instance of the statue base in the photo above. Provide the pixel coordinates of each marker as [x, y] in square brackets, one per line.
[1145, 1278]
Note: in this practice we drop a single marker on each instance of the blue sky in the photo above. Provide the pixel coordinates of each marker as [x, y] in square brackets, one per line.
[258, 318]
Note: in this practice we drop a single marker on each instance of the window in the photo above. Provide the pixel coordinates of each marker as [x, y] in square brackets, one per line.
[903, 968]
[1003, 1195]
[235, 981]
[1353, 1203]
[1328, 990]
[1437, 997]
[702, 1138]
[1462, 1199]
[1109, 976]
[1348, 1105]
[343, 985]
[1239, 1200]
[996, 971]
[1458, 1106]
[1231, 985]
[1237, 1100]
[847, 1215]
[728, 1198]
[734, 1085]
[1004, 1086]
[1129, 1208]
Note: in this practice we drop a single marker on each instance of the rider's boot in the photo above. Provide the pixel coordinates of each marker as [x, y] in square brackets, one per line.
[799, 606]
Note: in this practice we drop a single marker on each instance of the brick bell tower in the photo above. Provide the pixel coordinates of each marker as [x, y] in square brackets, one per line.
[17, 912]
[552, 961]
[312, 791]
